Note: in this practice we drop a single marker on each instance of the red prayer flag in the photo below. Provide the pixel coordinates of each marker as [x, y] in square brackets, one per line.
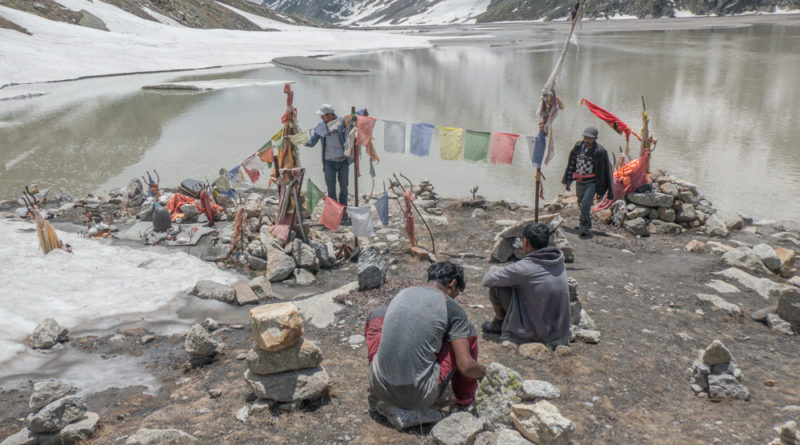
[252, 171]
[332, 212]
[365, 124]
[613, 121]
[502, 151]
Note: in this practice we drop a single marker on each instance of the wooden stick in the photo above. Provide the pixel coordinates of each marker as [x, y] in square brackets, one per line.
[355, 164]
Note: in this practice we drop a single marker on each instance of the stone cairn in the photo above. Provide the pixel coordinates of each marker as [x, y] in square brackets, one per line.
[283, 368]
[716, 375]
[56, 416]
[583, 328]
[507, 245]
[426, 198]
[789, 435]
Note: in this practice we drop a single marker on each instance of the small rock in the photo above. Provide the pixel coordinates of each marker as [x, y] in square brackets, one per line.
[716, 353]
[588, 336]
[245, 294]
[477, 213]
[496, 393]
[789, 306]
[695, 246]
[303, 277]
[356, 339]
[777, 324]
[563, 351]
[534, 351]
[279, 265]
[371, 269]
[745, 258]
[725, 386]
[276, 326]
[539, 389]
[290, 386]
[48, 391]
[542, 423]
[57, 414]
[403, 419]
[637, 226]
[147, 436]
[768, 256]
[502, 250]
[262, 287]
[716, 227]
[210, 325]
[303, 354]
[243, 414]
[211, 290]
[81, 430]
[199, 344]
[720, 303]
[457, 429]
[214, 393]
[654, 199]
[47, 334]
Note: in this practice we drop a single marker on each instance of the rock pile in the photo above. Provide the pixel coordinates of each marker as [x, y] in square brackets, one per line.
[47, 334]
[583, 327]
[56, 416]
[789, 435]
[716, 374]
[283, 368]
[426, 198]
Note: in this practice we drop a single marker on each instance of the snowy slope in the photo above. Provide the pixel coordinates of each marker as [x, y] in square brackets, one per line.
[385, 12]
[58, 50]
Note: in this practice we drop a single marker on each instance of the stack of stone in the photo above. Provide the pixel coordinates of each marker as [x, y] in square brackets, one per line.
[56, 416]
[283, 367]
[508, 246]
[427, 198]
[789, 435]
[715, 373]
[583, 327]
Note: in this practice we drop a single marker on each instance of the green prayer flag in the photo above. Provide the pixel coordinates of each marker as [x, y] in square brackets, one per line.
[313, 195]
[371, 169]
[476, 145]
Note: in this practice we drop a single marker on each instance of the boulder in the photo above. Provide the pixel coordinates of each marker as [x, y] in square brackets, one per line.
[199, 343]
[745, 258]
[457, 429]
[660, 227]
[517, 227]
[789, 307]
[719, 303]
[257, 264]
[211, 290]
[57, 414]
[47, 334]
[276, 326]
[81, 430]
[371, 269]
[48, 391]
[725, 386]
[496, 393]
[326, 257]
[732, 222]
[666, 214]
[542, 423]
[303, 354]
[279, 265]
[565, 247]
[715, 226]
[189, 211]
[768, 256]
[762, 286]
[716, 353]
[502, 250]
[290, 386]
[303, 277]
[245, 294]
[147, 436]
[306, 256]
[90, 20]
[403, 419]
[637, 226]
[539, 389]
[654, 199]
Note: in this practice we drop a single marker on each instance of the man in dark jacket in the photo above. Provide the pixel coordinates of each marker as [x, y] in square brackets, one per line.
[590, 167]
[531, 297]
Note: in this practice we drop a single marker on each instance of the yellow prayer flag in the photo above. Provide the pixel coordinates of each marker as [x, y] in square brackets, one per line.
[451, 139]
[277, 135]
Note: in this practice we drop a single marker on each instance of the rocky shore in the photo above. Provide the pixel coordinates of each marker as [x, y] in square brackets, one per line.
[666, 275]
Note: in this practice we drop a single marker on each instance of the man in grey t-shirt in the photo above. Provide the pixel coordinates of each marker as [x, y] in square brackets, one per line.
[422, 341]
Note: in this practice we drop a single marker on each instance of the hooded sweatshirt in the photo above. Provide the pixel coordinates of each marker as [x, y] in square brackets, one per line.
[539, 309]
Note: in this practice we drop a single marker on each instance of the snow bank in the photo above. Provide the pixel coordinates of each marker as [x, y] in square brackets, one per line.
[59, 51]
[99, 280]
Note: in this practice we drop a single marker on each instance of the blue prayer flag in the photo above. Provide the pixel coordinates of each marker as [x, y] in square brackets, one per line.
[382, 206]
[421, 135]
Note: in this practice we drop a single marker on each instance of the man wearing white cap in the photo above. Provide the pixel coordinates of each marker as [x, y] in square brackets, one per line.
[590, 168]
[332, 131]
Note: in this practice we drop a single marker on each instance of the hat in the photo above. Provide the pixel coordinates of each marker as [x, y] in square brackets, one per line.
[325, 109]
[590, 132]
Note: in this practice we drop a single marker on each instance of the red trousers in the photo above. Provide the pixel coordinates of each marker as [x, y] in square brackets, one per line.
[463, 387]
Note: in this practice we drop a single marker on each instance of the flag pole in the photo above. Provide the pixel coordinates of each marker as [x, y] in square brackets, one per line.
[538, 189]
[356, 150]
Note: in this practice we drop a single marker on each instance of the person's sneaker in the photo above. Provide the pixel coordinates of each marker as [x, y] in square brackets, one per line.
[493, 327]
[586, 234]
[346, 221]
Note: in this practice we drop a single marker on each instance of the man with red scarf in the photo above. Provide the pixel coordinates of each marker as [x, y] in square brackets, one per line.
[590, 168]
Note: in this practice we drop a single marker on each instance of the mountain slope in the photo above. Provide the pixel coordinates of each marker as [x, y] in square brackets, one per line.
[384, 12]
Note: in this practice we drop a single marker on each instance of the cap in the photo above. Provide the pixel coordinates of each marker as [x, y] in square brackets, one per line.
[590, 132]
[325, 109]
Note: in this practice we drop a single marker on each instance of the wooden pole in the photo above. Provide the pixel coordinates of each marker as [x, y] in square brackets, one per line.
[536, 198]
[356, 150]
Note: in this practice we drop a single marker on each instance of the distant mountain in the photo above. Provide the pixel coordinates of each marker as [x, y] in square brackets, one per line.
[416, 12]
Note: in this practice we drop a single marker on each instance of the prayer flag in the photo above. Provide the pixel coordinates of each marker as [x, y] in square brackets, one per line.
[365, 124]
[421, 135]
[382, 206]
[476, 146]
[300, 138]
[277, 135]
[267, 154]
[613, 121]
[503, 148]
[450, 141]
[332, 212]
[238, 179]
[537, 145]
[252, 166]
[361, 220]
[313, 195]
[394, 137]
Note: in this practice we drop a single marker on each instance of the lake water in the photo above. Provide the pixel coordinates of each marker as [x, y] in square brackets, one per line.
[722, 95]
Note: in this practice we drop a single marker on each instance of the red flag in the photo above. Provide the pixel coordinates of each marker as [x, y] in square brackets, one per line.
[251, 167]
[502, 148]
[365, 124]
[332, 212]
[613, 121]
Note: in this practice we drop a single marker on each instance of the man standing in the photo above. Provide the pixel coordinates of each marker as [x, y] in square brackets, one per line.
[332, 131]
[422, 342]
[531, 297]
[590, 167]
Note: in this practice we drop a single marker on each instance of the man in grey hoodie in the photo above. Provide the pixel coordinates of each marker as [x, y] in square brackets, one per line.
[531, 296]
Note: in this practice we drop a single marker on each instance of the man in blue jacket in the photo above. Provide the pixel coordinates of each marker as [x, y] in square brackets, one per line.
[332, 131]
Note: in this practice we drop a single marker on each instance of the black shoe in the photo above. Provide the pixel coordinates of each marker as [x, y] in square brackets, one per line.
[493, 327]
[586, 234]
[346, 221]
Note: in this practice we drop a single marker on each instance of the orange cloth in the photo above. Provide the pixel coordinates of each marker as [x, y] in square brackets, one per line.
[332, 213]
[177, 200]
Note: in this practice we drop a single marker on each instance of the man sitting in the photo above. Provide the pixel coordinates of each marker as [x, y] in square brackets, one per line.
[422, 341]
[531, 296]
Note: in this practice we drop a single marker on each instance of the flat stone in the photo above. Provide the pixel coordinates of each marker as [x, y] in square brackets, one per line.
[718, 247]
[539, 389]
[761, 314]
[722, 287]
[48, 391]
[508, 436]
[777, 324]
[637, 226]
[57, 414]
[762, 286]
[245, 294]
[47, 334]
[496, 393]
[290, 386]
[457, 429]
[587, 336]
[719, 303]
[211, 290]
[745, 258]
[303, 277]
[146, 436]
[320, 310]
[502, 250]
[303, 354]
[716, 353]
[276, 326]
[542, 423]
[789, 306]
[586, 322]
[725, 386]
[28, 437]
[695, 246]
[786, 256]
[534, 351]
[80, 430]
[262, 287]
[403, 419]
[659, 227]
[199, 342]
[654, 199]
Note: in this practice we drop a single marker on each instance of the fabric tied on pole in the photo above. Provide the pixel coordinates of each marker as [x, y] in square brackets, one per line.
[394, 137]
[382, 207]
[503, 148]
[238, 179]
[365, 125]
[537, 146]
[476, 146]
[421, 135]
[451, 140]
[252, 166]
[313, 196]
[300, 138]
[361, 220]
[332, 212]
